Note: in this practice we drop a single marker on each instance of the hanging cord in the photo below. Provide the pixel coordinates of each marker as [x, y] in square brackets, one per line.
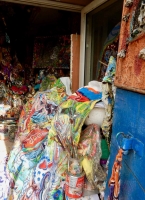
[114, 182]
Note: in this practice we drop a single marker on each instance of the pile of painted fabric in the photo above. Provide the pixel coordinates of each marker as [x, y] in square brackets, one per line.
[7, 135]
[49, 135]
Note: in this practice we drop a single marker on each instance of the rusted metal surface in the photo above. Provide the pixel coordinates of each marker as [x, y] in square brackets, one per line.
[130, 71]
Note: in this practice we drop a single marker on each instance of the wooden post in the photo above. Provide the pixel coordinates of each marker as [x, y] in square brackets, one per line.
[74, 61]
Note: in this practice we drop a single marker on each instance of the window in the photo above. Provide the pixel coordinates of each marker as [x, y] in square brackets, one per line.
[99, 23]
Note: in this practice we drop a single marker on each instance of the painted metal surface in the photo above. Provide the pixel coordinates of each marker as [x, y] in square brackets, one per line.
[131, 63]
[128, 142]
[129, 117]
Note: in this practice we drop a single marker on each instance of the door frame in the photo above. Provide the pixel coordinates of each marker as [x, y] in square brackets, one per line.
[94, 4]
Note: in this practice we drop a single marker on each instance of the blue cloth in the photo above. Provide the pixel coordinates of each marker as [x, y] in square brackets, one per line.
[90, 94]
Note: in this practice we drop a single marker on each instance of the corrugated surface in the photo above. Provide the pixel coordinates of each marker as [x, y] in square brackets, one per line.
[129, 117]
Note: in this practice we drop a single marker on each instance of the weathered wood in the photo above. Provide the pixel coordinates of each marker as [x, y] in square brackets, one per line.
[75, 59]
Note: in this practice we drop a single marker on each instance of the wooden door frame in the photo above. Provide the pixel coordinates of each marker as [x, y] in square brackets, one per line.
[94, 4]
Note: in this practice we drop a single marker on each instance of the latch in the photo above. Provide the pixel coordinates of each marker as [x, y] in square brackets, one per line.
[128, 142]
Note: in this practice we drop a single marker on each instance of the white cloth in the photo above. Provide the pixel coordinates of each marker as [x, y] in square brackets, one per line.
[96, 116]
[67, 83]
[96, 85]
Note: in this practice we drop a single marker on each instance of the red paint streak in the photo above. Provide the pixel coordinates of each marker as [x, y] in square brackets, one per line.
[137, 65]
[126, 35]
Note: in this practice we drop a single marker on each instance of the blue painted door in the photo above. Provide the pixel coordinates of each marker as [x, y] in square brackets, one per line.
[129, 117]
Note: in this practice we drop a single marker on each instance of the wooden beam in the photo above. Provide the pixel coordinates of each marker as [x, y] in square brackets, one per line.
[49, 4]
[76, 2]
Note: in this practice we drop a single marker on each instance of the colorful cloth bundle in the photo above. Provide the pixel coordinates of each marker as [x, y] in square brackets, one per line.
[89, 150]
[6, 144]
[38, 163]
[35, 168]
[78, 97]
[90, 93]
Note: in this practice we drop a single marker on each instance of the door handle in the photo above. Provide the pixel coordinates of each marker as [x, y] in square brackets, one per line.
[129, 142]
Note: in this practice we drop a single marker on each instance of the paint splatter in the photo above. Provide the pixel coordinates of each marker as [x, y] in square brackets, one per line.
[137, 65]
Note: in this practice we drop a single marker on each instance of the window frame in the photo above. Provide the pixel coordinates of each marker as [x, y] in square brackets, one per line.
[93, 5]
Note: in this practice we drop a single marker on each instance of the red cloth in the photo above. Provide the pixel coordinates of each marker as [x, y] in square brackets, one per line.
[21, 90]
[78, 97]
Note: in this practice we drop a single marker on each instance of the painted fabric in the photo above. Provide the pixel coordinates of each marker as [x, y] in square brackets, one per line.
[89, 149]
[90, 93]
[114, 182]
[108, 100]
[35, 167]
[6, 144]
[78, 97]
[110, 72]
[38, 163]
[88, 141]
[108, 95]
[75, 114]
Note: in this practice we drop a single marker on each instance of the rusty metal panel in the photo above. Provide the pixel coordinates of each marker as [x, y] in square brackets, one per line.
[130, 70]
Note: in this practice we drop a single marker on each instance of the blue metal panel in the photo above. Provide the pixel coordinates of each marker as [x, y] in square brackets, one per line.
[129, 117]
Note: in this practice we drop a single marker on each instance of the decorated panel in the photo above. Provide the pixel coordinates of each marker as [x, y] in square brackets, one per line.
[131, 57]
[53, 51]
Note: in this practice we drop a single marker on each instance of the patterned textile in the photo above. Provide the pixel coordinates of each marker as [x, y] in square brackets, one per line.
[114, 182]
[38, 163]
[34, 167]
[89, 149]
[108, 96]
[110, 72]
[90, 93]
[6, 144]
